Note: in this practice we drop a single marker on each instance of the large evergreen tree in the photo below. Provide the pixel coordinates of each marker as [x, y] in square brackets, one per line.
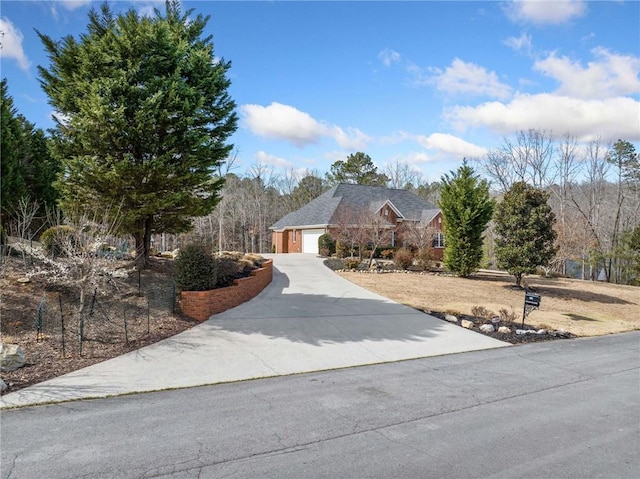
[144, 118]
[12, 143]
[466, 208]
[524, 229]
[358, 169]
[28, 170]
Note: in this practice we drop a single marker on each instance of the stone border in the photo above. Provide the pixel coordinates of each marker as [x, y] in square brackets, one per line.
[200, 305]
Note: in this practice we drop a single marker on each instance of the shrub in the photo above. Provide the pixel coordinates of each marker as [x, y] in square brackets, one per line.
[53, 238]
[195, 269]
[507, 315]
[403, 258]
[351, 263]
[256, 259]
[482, 312]
[226, 271]
[324, 252]
[387, 253]
[342, 251]
[325, 241]
[424, 259]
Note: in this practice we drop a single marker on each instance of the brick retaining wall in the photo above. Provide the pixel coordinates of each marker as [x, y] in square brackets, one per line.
[200, 305]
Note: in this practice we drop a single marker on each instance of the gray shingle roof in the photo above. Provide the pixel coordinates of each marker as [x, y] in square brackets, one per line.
[322, 210]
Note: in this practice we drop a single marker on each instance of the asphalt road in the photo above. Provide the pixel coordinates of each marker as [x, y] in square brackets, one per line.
[562, 409]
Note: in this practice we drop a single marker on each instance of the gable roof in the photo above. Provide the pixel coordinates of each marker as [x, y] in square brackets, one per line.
[322, 210]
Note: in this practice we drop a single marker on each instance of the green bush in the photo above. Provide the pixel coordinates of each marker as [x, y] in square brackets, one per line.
[403, 258]
[326, 242]
[351, 263]
[195, 269]
[53, 238]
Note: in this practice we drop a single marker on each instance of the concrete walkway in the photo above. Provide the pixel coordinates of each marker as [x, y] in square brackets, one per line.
[307, 319]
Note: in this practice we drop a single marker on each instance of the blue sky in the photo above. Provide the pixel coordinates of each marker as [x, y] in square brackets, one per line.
[424, 83]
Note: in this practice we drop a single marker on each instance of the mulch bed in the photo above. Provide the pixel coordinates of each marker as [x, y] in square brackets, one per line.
[512, 337]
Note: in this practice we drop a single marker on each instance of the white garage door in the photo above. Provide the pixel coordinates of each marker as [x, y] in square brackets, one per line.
[310, 240]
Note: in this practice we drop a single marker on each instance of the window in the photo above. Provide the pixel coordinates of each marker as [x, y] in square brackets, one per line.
[295, 235]
[438, 240]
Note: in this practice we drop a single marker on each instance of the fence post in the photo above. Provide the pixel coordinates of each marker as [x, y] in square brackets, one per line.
[39, 316]
[124, 317]
[81, 330]
[62, 325]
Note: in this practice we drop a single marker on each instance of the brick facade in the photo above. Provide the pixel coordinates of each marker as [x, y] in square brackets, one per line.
[200, 305]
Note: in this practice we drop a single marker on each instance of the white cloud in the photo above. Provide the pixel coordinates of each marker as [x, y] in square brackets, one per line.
[388, 56]
[74, 4]
[609, 76]
[268, 159]
[287, 123]
[523, 42]
[396, 137]
[353, 139]
[414, 158]
[451, 145]
[543, 12]
[12, 44]
[608, 119]
[469, 78]
[284, 122]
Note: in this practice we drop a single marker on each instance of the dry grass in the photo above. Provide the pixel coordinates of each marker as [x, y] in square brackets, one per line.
[583, 308]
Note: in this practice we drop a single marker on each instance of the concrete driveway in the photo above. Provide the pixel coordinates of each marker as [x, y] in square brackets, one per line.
[307, 319]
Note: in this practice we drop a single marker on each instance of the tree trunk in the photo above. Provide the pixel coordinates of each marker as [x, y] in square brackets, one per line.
[518, 280]
[143, 242]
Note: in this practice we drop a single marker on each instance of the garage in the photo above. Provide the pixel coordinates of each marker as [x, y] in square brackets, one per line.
[310, 240]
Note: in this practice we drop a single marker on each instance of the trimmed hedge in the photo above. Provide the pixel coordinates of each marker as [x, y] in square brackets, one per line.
[195, 269]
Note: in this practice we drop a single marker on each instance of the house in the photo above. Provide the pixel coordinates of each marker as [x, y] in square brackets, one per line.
[298, 231]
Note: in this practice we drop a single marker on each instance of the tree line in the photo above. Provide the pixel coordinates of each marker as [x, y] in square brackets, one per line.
[143, 127]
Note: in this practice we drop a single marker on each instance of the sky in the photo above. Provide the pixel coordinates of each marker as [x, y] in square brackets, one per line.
[423, 83]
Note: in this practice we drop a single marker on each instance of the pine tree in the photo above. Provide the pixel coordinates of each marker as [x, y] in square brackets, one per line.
[145, 116]
[524, 228]
[466, 210]
[358, 169]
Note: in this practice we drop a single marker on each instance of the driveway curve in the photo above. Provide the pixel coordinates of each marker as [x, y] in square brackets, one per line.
[307, 319]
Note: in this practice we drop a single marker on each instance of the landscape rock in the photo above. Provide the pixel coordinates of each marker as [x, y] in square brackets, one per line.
[3, 386]
[524, 331]
[451, 318]
[487, 328]
[466, 324]
[560, 334]
[541, 331]
[504, 330]
[24, 280]
[11, 357]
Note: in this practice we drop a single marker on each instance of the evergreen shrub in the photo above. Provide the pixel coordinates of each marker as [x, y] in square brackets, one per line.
[195, 269]
[325, 241]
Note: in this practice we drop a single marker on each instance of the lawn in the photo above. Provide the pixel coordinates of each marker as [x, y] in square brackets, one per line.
[584, 308]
